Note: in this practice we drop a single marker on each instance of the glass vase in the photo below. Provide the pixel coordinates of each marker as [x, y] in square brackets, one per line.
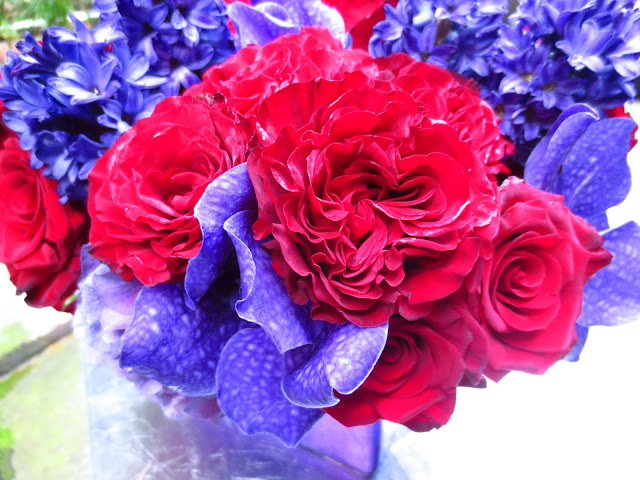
[132, 439]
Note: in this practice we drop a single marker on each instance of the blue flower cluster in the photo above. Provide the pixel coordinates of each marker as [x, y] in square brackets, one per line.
[180, 38]
[553, 54]
[71, 96]
[548, 55]
[454, 34]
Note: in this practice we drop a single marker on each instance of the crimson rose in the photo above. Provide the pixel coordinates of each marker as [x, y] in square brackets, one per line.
[415, 379]
[368, 198]
[529, 294]
[143, 191]
[40, 239]
[457, 104]
[255, 72]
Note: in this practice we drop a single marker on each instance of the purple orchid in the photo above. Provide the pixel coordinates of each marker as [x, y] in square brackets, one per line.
[584, 158]
[264, 21]
[231, 334]
[105, 310]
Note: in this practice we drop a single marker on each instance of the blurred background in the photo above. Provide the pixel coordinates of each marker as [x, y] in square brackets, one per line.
[580, 420]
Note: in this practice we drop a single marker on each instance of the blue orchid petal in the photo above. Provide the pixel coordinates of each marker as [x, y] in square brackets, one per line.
[596, 175]
[249, 375]
[230, 193]
[105, 304]
[343, 357]
[612, 296]
[599, 221]
[256, 27]
[542, 169]
[176, 345]
[265, 300]
[574, 354]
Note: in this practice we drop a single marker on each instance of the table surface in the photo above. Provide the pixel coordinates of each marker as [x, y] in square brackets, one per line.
[580, 420]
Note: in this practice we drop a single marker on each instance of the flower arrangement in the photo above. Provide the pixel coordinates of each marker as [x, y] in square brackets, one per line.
[262, 219]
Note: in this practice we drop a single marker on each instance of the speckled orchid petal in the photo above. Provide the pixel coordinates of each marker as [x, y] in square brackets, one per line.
[261, 23]
[542, 168]
[574, 355]
[585, 160]
[595, 174]
[249, 375]
[343, 357]
[230, 193]
[105, 305]
[265, 300]
[176, 345]
[612, 296]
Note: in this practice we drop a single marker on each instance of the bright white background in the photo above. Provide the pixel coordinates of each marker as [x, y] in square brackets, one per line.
[579, 421]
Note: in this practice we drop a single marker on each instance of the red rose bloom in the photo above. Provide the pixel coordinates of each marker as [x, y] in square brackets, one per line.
[360, 17]
[529, 294]
[143, 191]
[368, 198]
[455, 103]
[255, 72]
[415, 379]
[40, 239]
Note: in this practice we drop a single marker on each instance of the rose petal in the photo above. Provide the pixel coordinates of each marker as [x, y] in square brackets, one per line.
[176, 345]
[249, 375]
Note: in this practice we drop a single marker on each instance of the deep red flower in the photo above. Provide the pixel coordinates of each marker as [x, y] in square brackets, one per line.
[256, 72]
[40, 239]
[143, 191]
[360, 16]
[529, 294]
[415, 379]
[453, 100]
[369, 196]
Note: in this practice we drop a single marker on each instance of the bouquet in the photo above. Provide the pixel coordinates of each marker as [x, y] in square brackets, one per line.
[251, 214]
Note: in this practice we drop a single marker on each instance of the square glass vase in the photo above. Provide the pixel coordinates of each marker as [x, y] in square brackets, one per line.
[132, 439]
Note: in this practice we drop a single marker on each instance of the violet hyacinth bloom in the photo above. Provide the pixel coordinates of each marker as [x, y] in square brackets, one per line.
[230, 336]
[73, 96]
[455, 34]
[584, 158]
[562, 52]
[181, 38]
[266, 20]
[56, 93]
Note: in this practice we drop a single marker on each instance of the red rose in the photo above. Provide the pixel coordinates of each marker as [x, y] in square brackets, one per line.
[256, 72]
[529, 294]
[415, 379]
[368, 198]
[143, 191]
[40, 239]
[456, 103]
[360, 17]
